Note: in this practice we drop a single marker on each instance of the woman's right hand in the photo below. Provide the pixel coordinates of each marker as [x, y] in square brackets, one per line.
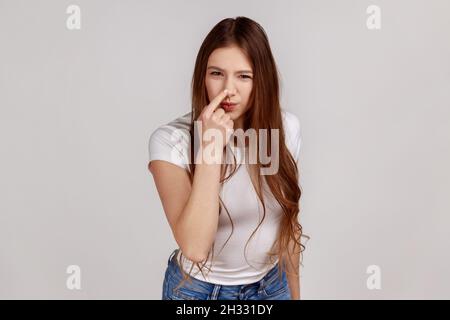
[213, 117]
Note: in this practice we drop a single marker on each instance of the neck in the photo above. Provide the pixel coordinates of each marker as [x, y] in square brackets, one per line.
[239, 123]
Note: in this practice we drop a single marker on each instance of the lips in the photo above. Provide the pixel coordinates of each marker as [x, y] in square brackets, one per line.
[228, 106]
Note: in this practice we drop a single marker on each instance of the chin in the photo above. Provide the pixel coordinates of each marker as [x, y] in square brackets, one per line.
[234, 115]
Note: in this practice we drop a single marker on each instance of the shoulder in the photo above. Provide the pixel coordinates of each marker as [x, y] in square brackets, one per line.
[291, 122]
[292, 131]
[171, 141]
[177, 128]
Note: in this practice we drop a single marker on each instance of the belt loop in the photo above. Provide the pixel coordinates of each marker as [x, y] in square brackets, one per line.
[215, 292]
[171, 255]
[261, 286]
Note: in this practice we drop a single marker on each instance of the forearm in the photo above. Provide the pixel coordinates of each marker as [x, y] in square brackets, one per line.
[197, 224]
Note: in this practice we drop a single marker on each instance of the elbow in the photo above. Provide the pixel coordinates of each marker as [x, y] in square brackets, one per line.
[197, 258]
[192, 251]
[194, 255]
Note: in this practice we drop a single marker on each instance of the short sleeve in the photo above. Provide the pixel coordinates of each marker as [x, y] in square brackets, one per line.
[293, 134]
[170, 144]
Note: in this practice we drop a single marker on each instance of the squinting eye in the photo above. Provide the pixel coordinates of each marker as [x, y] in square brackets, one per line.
[215, 73]
[246, 76]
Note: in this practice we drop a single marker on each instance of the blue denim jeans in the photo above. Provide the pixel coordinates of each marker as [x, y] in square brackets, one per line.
[268, 288]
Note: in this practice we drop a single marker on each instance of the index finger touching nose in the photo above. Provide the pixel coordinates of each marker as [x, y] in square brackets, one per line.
[215, 103]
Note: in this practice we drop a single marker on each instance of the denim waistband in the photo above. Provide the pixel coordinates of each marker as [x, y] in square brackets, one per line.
[268, 278]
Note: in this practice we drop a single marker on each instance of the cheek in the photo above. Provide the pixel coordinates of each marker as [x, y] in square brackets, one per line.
[245, 92]
[213, 88]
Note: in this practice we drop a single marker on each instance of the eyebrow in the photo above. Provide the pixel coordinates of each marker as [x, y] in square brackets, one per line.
[239, 71]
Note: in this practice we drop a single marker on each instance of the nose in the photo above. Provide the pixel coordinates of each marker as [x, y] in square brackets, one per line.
[231, 91]
[230, 86]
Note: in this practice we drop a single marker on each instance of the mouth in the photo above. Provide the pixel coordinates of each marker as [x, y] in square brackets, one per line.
[228, 106]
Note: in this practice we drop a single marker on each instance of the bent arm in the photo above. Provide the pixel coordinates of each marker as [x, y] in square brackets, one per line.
[192, 211]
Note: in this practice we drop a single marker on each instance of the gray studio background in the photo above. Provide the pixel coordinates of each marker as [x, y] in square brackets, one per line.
[78, 107]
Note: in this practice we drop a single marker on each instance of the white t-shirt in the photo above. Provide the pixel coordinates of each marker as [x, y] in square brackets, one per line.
[171, 142]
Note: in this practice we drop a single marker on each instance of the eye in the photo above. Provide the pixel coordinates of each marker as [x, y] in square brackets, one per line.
[245, 76]
[215, 73]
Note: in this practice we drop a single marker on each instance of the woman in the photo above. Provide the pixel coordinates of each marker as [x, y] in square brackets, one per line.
[235, 88]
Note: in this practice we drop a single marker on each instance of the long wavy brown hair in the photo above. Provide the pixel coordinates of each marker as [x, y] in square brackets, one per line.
[263, 113]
